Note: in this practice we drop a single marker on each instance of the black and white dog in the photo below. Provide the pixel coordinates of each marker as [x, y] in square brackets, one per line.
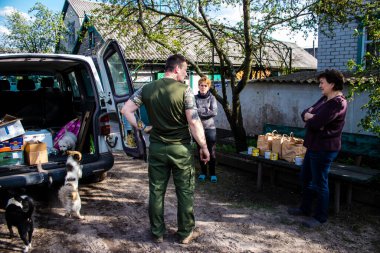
[18, 213]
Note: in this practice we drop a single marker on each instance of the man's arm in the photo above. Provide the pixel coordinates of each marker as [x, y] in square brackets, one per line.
[131, 106]
[198, 133]
[195, 125]
[128, 111]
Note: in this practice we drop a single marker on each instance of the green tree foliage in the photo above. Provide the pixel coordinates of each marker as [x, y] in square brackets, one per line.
[39, 34]
[174, 26]
[367, 72]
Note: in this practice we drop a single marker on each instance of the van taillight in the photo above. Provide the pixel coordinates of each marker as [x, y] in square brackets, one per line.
[105, 127]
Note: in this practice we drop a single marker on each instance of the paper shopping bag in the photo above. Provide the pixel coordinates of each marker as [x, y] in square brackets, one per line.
[277, 144]
[292, 147]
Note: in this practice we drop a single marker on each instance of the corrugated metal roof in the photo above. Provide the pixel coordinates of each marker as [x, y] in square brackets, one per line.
[83, 7]
[301, 59]
[199, 51]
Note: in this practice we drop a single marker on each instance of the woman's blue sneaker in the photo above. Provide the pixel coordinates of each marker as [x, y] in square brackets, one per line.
[202, 178]
[213, 179]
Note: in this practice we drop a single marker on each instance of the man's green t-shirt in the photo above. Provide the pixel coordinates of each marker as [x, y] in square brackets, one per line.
[166, 101]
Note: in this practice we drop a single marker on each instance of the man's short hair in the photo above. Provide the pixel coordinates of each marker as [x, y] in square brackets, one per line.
[333, 76]
[173, 61]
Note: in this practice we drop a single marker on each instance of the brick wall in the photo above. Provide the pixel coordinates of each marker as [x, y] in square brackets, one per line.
[336, 51]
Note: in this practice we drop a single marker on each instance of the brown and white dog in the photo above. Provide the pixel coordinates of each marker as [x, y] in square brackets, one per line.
[69, 194]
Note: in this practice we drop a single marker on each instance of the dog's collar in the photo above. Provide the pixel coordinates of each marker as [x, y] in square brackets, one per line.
[12, 201]
[71, 179]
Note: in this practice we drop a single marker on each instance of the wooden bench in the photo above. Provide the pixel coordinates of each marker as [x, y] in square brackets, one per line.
[349, 174]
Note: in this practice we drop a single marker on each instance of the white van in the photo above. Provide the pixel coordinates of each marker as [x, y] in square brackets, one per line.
[53, 89]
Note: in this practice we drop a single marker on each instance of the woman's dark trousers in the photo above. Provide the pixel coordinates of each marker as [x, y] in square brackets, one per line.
[315, 183]
[211, 144]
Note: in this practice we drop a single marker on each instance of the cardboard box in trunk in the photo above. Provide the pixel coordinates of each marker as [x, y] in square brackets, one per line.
[14, 144]
[11, 158]
[10, 127]
[35, 152]
[42, 135]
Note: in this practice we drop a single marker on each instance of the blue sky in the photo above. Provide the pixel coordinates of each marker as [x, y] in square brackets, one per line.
[25, 5]
[7, 6]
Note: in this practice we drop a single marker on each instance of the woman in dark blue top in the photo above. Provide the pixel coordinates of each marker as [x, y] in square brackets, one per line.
[324, 122]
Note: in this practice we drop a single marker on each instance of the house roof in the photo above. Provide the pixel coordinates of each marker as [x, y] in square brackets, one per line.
[197, 50]
[82, 7]
[140, 48]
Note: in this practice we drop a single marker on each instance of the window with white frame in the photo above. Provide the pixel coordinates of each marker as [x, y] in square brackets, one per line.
[369, 46]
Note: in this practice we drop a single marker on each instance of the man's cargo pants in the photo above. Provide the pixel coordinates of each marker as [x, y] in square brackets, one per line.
[177, 159]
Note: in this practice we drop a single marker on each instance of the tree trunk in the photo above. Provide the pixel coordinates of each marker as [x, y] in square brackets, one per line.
[240, 137]
[235, 120]
[234, 116]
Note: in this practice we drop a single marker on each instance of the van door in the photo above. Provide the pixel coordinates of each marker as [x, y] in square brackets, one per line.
[118, 88]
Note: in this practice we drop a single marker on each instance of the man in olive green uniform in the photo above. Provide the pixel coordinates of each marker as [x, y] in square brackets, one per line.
[172, 111]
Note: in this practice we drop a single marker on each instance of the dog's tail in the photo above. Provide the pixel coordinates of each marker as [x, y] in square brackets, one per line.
[67, 191]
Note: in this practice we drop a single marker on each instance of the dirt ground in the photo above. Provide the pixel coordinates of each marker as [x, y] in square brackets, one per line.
[232, 215]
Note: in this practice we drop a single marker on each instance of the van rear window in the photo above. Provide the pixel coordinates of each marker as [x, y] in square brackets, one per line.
[28, 83]
[119, 78]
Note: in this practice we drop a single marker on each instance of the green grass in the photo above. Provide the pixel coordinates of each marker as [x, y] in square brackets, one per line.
[231, 148]
[228, 148]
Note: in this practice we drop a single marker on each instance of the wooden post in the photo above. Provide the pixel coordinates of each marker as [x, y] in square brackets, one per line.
[349, 195]
[337, 197]
[273, 177]
[259, 176]
[358, 160]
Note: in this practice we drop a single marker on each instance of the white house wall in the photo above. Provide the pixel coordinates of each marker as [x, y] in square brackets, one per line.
[71, 16]
[282, 104]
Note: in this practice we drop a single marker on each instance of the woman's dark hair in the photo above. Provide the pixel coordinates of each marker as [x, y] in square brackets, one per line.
[333, 76]
[173, 61]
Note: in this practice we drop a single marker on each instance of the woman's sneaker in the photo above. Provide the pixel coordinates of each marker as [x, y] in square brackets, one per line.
[213, 179]
[202, 178]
